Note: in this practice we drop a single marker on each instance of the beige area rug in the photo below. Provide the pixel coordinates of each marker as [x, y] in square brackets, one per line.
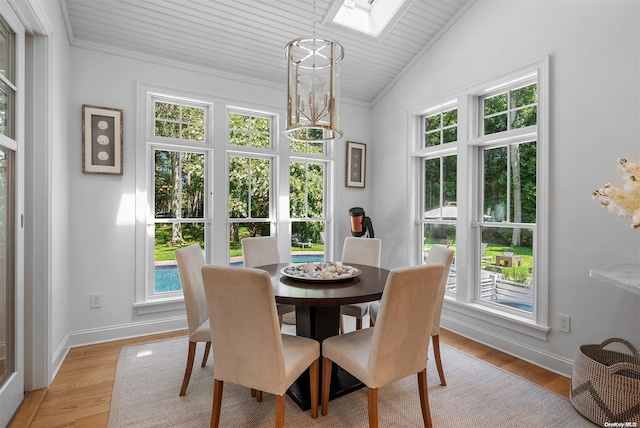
[477, 394]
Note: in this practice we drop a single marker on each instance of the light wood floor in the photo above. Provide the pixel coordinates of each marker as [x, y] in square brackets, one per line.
[81, 392]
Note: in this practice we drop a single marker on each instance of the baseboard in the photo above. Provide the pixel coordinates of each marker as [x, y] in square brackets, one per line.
[552, 362]
[111, 333]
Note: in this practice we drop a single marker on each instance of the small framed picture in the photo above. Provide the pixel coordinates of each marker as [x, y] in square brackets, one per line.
[101, 140]
[356, 164]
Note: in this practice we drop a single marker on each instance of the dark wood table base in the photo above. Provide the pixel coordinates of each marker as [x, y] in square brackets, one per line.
[318, 317]
[320, 322]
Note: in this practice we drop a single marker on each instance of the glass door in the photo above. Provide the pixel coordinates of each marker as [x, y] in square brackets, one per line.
[7, 283]
[11, 306]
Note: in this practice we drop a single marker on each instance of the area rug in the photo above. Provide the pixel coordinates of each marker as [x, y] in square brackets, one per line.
[477, 394]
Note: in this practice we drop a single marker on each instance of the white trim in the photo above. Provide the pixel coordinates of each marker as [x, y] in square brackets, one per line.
[114, 332]
[467, 196]
[479, 332]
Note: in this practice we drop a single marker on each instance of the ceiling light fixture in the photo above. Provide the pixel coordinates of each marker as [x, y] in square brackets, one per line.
[313, 88]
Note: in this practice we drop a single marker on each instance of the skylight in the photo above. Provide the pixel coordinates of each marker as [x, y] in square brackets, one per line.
[367, 16]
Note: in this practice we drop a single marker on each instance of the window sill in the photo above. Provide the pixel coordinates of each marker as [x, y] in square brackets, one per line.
[154, 306]
[493, 316]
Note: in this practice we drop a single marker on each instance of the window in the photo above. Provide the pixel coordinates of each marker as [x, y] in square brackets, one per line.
[256, 185]
[307, 206]
[486, 188]
[508, 173]
[250, 205]
[179, 148]
[249, 131]
[439, 169]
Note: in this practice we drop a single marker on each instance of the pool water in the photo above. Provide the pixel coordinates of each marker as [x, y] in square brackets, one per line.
[167, 277]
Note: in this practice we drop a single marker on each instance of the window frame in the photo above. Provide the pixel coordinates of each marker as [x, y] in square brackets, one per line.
[145, 298]
[217, 146]
[468, 256]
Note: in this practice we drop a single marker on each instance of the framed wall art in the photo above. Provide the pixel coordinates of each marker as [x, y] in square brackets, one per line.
[356, 164]
[101, 140]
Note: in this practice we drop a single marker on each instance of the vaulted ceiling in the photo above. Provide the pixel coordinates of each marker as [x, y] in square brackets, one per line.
[246, 38]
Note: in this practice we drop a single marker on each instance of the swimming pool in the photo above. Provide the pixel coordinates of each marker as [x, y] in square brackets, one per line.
[168, 279]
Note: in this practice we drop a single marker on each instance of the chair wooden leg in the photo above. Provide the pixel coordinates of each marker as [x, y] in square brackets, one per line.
[436, 353]
[372, 399]
[371, 322]
[313, 385]
[358, 323]
[280, 411]
[424, 398]
[341, 324]
[207, 348]
[280, 319]
[187, 371]
[217, 403]
[326, 384]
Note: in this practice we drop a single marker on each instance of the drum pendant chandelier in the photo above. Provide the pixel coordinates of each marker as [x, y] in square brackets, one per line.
[313, 88]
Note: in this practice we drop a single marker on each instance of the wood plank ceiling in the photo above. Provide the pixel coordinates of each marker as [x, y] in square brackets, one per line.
[245, 39]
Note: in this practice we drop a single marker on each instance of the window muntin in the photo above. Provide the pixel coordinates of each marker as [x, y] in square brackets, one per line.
[307, 147]
[441, 128]
[249, 130]
[513, 109]
[179, 120]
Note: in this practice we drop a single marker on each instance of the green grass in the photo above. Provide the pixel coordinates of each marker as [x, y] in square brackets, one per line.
[193, 234]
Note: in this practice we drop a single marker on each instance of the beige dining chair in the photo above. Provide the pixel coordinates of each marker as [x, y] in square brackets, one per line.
[396, 346]
[244, 324]
[439, 254]
[363, 251]
[263, 250]
[190, 262]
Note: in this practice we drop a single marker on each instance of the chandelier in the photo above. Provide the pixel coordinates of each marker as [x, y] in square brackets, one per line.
[313, 88]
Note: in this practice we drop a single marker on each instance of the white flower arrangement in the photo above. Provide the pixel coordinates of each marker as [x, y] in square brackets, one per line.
[626, 201]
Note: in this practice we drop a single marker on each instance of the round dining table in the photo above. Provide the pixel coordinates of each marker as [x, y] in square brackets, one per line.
[318, 315]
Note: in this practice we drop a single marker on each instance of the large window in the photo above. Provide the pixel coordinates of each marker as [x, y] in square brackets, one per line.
[508, 173]
[180, 151]
[214, 187]
[486, 188]
[439, 177]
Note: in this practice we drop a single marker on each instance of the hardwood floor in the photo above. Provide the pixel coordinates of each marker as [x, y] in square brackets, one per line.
[81, 392]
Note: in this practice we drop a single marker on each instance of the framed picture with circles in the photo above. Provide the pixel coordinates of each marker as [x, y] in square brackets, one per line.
[101, 140]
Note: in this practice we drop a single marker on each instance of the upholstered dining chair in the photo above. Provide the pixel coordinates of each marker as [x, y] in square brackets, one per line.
[190, 262]
[363, 251]
[244, 324]
[396, 346]
[442, 255]
[263, 250]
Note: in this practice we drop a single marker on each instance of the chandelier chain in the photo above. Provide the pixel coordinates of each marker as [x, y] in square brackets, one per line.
[314, 19]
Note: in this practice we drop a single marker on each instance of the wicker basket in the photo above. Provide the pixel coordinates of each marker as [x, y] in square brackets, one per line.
[605, 384]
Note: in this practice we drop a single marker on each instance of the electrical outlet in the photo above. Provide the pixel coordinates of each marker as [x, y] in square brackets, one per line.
[96, 300]
[565, 323]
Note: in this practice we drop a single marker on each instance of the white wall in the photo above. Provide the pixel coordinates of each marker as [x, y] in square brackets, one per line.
[594, 50]
[102, 233]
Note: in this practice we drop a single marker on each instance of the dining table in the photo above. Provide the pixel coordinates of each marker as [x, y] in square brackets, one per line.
[317, 305]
